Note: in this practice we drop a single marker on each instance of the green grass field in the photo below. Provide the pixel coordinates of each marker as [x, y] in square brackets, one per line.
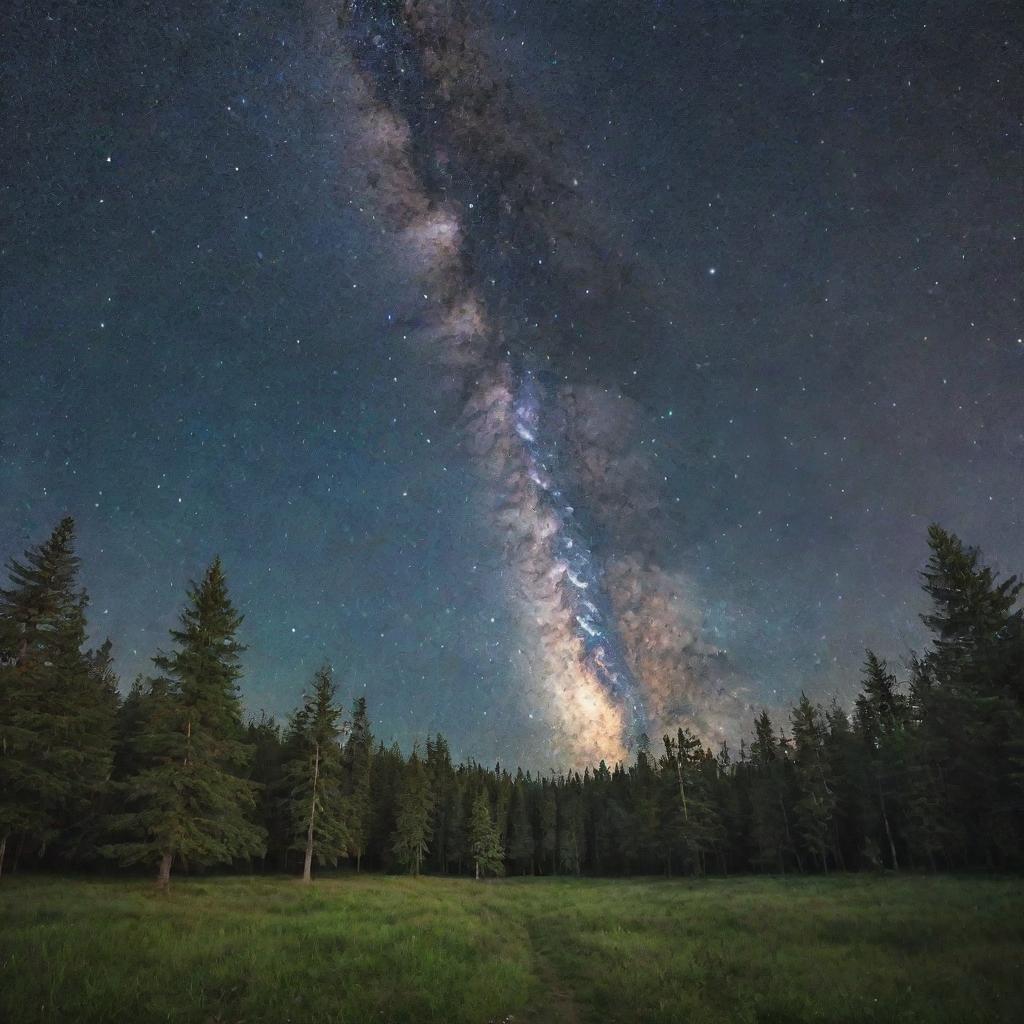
[376, 949]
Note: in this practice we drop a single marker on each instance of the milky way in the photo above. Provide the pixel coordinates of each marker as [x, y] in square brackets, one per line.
[473, 186]
[281, 285]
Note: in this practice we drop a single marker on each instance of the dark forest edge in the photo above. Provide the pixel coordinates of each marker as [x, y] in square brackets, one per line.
[927, 773]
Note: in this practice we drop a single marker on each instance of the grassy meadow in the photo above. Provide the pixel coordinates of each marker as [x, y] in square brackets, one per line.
[361, 949]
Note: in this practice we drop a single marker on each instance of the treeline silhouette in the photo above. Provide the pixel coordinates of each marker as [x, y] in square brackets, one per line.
[923, 773]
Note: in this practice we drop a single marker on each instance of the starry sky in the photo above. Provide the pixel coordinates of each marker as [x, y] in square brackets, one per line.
[204, 332]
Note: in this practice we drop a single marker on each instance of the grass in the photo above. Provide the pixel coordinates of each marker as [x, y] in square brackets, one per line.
[362, 949]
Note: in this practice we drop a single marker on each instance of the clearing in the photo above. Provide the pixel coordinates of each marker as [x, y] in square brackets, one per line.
[373, 948]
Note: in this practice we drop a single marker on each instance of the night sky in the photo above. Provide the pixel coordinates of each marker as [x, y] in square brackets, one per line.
[212, 340]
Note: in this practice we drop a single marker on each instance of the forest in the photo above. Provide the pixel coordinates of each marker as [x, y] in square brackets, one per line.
[923, 773]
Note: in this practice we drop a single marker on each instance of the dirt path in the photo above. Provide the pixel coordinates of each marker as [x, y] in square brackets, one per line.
[562, 1005]
[556, 1004]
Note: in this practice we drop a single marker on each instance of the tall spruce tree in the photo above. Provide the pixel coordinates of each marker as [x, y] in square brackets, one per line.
[266, 739]
[549, 825]
[190, 800]
[410, 841]
[881, 720]
[358, 766]
[971, 711]
[770, 827]
[316, 801]
[57, 702]
[521, 842]
[815, 804]
[572, 837]
[441, 774]
[484, 841]
[458, 816]
[692, 821]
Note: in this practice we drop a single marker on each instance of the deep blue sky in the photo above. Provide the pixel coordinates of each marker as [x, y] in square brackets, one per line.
[197, 355]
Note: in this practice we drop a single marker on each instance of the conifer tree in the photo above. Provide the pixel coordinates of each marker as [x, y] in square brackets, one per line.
[189, 800]
[502, 804]
[441, 775]
[928, 816]
[358, 761]
[484, 842]
[770, 827]
[881, 719]
[458, 819]
[412, 816]
[131, 715]
[521, 842]
[974, 667]
[815, 804]
[549, 825]
[693, 823]
[386, 782]
[265, 738]
[571, 827]
[645, 812]
[316, 804]
[57, 702]
[842, 755]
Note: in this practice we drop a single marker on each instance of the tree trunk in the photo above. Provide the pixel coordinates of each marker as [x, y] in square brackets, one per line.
[3, 850]
[789, 837]
[359, 857]
[477, 863]
[837, 850]
[682, 788]
[163, 878]
[307, 867]
[888, 831]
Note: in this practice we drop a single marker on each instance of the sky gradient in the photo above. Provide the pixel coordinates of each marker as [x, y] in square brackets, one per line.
[204, 333]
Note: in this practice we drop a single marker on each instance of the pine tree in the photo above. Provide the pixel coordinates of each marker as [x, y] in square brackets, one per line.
[98, 705]
[645, 813]
[484, 842]
[929, 822]
[131, 715]
[549, 825]
[265, 738]
[692, 820]
[502, 804]
[815, 804]
[970, 710]
[441, 773]
[358, 762]
[770, 825]
[189, 800]
[520, 842]
[386, 782]
[881, 720]
[571, 826]
[458, 819]
[57, 703]
[316, 801]
[972, 614]
[842, 755]
[412, 816]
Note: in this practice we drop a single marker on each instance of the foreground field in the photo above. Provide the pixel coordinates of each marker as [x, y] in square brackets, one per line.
[362, 949]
